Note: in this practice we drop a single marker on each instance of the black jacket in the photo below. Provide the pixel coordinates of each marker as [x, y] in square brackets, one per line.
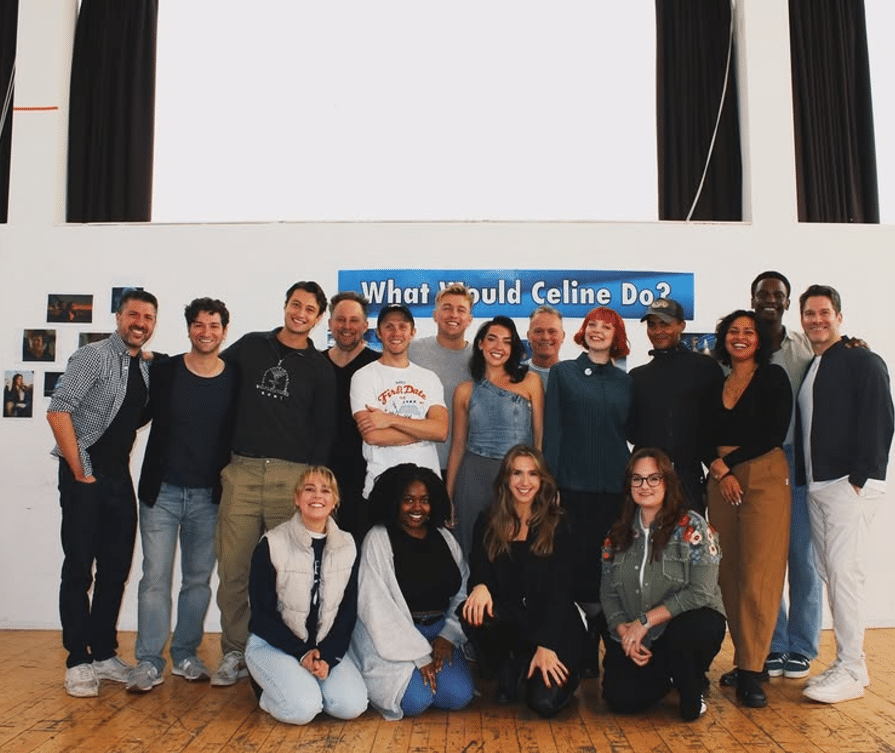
[852, 419]
[161, 382]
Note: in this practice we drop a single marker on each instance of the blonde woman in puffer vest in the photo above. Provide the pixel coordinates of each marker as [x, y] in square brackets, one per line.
[303, 599]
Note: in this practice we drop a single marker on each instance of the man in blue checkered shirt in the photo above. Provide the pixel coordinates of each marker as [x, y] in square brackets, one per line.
[95, 412]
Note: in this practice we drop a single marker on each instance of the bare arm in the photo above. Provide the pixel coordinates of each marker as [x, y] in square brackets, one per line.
[460, 432]
[64, 432]
[536, 396]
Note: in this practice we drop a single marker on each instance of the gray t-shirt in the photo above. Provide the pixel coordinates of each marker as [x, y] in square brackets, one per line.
[452, 367]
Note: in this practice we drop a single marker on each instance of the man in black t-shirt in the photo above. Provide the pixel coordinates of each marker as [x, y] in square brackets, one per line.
[191, 405]
[285, 421]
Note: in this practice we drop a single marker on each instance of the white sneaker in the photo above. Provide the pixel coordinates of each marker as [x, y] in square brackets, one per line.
[837, 686]
[863, 675]
[192, 668]
[112, 669]
[231, 669]
[81, 681]
[143, 678]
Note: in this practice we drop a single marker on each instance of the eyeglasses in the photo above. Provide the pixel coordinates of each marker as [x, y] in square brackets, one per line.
[654, 479]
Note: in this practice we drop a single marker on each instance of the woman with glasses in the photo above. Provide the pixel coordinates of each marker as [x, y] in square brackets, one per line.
[659, 593]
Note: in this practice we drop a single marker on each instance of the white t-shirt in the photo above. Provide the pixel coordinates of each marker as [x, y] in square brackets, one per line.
[408, 392]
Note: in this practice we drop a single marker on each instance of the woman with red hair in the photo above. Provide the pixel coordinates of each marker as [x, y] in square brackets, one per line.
[585, 414]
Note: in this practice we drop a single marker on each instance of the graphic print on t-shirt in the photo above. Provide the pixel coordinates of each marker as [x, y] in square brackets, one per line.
[403, 399]
[274, 383]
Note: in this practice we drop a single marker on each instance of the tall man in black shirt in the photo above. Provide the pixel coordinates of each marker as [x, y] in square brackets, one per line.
[191, 401]
[285, 421]
[348, 325]
[671, 399]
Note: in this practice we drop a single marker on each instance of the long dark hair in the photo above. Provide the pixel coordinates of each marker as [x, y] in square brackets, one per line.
[513, 365]
[503, 523]
[385, 498]
[621, 535]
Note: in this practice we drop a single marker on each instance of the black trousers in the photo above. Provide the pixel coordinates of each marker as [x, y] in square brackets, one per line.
[99, 526]
[681, 656]
[502, 647]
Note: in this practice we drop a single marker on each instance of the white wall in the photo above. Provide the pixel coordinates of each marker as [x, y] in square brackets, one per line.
[250, 266]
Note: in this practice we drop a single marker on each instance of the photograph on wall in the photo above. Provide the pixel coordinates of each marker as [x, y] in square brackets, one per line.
[118, 292]
[18, 394]
[85, 338]
[50, 380]
[39, 345]
[699, 342]
[62, 307]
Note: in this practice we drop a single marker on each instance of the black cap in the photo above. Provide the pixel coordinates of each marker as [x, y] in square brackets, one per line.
[399, 307]
[666, 309]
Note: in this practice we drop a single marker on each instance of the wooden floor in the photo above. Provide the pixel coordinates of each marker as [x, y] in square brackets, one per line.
[37, 715]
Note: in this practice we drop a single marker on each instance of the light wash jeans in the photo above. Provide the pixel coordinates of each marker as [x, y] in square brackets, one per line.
[191, 515]
[798, 626]
[293, 695]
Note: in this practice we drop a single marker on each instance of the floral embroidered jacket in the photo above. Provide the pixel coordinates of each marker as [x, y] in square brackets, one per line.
[685, 578]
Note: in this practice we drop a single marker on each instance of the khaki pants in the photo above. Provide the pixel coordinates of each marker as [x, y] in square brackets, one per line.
[754, 540]
[257, 496]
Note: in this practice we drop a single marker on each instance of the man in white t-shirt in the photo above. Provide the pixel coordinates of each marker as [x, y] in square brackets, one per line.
[399, 406]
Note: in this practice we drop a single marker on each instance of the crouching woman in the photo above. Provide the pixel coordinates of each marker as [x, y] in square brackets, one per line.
[660, 593]
[303, 593]
[412, 580]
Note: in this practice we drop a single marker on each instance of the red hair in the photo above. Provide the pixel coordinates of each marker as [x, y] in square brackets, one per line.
[620, 346]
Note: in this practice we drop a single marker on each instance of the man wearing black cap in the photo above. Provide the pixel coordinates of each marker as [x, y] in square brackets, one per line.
[399, 406]
[670, 408]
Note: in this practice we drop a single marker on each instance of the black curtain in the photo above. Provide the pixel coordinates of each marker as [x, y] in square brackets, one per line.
[112, 112]
[9, 15]
[832, 110]
[692, 38]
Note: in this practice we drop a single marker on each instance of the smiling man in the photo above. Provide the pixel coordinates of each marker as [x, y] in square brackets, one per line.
[399, 407]
[448, 352]
[191, 406]
[348, 325]
[545, 337]
[844, 433]
[94, 413]
[671, 402]
[285, 421]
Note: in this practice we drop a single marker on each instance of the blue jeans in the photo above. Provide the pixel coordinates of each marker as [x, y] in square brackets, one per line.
[293, 695]
[453, 686]
[191, 515]
[798, 628]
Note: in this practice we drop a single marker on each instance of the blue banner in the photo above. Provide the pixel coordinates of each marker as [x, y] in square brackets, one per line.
[516, 292]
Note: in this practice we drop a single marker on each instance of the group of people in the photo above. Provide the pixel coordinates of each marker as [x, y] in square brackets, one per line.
[378, 519]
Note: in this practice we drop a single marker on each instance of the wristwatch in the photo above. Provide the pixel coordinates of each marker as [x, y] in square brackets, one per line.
[644, 620]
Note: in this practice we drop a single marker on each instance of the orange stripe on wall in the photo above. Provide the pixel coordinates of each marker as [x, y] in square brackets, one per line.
[34, 109]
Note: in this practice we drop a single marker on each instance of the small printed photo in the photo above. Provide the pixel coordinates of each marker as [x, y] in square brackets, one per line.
[62, 307]
[18, 394]
[118, 292]
[699, 342]
[39, 345]
[85, 338]
[50, 380]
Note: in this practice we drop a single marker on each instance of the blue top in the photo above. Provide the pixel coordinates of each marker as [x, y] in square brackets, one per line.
[498, 420]
[585, 416]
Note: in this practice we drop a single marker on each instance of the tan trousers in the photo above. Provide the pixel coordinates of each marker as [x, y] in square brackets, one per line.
[257, 496]
[754, 540]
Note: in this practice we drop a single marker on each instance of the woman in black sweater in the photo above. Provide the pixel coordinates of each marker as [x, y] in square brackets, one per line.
[749, 494]
[519, 612]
